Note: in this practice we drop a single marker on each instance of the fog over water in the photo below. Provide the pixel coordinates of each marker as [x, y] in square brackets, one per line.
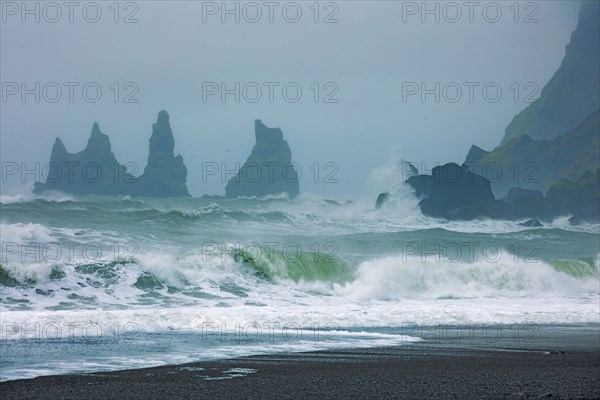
[373, 51]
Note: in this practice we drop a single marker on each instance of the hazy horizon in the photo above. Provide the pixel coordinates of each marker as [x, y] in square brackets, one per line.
[368, 54]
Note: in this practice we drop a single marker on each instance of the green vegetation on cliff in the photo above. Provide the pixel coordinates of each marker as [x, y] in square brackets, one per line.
[572, 92]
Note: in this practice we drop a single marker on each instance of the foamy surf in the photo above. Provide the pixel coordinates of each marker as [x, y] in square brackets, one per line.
[142, 282]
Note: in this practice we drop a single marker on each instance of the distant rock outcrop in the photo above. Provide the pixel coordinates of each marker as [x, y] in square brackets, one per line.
[517, 193]
[557, 137]
[548, 147]
[449, 188]
[537, 164]
[165, 175]
[95, 170]
[475, 154]
[581, 198]
[268, 170]
[466, 196]
[572, 93]
[531, 223]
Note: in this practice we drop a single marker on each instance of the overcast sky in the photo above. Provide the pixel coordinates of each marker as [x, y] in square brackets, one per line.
[367, 61]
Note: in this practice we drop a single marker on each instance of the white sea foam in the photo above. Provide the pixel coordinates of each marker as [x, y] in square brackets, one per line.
[171, 285]
[402, 277]
[21, 233]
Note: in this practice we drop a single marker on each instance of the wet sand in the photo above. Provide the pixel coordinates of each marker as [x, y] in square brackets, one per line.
[559, 363]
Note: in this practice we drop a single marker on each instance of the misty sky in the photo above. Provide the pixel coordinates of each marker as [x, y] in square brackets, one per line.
[367, 54]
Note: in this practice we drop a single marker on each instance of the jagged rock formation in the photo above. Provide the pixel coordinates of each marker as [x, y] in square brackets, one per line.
[165, 175]
[581, 198]
[454, 195]
[537, 164]
[449, 188]
[549, 146]
[268, 170]
[95, 170]
[572, 93]
[475, 154]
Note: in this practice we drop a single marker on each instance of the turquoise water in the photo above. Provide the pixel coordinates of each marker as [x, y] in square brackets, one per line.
[98, 283]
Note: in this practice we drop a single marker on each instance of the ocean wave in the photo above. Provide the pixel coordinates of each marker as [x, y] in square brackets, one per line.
[306, 213]
[53, 197]
[28, 232]
[411, 277]
[224, 274]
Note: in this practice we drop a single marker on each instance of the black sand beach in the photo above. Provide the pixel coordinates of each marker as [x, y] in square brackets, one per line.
[560, 363]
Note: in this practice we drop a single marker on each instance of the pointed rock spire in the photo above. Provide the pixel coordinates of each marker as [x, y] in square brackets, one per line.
[268, 170]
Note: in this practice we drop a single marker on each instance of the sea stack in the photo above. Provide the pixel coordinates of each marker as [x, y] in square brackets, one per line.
[95, 170]
[448, 188]
[165, 174]
[268, 170]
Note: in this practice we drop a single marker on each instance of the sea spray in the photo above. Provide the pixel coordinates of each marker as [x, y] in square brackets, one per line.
[146, 276]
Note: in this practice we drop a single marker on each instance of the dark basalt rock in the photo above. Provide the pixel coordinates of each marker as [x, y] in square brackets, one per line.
[488, 208]
[455, 193]
[449, 188]
[268, 170]
[580, 198]
[165, 174]
[517, 193]
[532, 204]
[531, 223]
[95, 170]
[538, 207]
[538, 164]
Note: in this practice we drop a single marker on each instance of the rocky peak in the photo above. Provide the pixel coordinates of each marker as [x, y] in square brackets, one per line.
[272, 156]
[162, 140]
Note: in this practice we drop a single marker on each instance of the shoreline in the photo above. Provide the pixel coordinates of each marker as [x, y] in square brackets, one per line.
[562, 362]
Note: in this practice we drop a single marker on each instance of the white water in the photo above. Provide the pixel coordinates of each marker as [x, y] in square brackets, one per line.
[174, 290]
